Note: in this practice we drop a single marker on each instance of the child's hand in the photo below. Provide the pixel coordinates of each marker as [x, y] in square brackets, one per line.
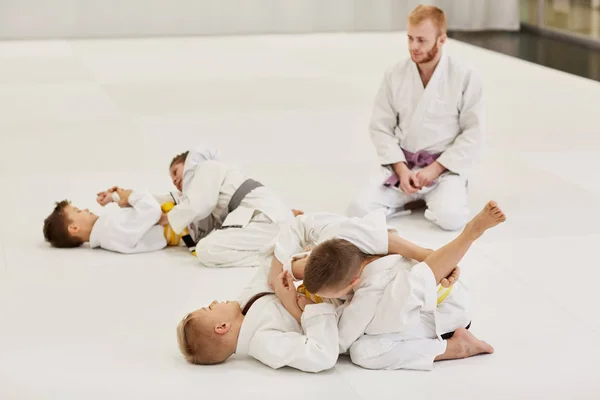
[298, 267]
[285, 290]
[164, 220]
[104, 198]
[451, 279]
[123, 195]
[303, 301]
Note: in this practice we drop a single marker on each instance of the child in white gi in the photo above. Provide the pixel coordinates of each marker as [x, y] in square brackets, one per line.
[398, 306]
[138, 226]
[287, 329]
[247, 216]
[259, 326]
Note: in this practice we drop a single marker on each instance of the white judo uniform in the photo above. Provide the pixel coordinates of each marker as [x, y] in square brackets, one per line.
[444, 119]
[368, 233]
[237, 235]
[132, 229]
[392, 319]
[396, 307]
[271, 335]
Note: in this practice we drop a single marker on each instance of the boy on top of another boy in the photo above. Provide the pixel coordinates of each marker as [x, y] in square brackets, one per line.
[397, 316]
[273, 323]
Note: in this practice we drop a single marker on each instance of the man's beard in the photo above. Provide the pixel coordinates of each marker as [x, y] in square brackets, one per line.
[430, 55]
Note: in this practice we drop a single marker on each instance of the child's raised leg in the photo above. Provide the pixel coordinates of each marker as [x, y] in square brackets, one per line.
[445, 259]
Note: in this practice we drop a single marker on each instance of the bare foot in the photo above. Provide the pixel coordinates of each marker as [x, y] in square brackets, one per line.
[297, 212]
[490, 216]
[463, 345]
[470, 345]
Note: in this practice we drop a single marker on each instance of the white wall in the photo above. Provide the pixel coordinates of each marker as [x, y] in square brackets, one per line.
[114, 18]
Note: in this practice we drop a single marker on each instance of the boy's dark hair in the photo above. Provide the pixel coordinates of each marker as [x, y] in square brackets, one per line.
[56, 228]
[333, 264]
[179, 158]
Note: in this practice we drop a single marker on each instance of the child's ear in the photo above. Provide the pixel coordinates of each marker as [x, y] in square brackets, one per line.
[73, 229]
[223, 328]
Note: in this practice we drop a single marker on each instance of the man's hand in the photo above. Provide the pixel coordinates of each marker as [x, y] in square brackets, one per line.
[428, 175]
[451, 279]
[409, 180]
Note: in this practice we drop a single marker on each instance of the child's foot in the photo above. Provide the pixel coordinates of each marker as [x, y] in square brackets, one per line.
[490, 216]
[463, 345]
[297, 212]
[469, 345]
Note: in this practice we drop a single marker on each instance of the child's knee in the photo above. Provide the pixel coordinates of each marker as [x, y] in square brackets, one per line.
[211, 254]
[448, 218]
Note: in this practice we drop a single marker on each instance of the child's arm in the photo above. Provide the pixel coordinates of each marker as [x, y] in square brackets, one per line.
[314, 351]
[403, 247]
[200, 198]
[293, 240]
[302, 230]
[135, 222]
[397, 245]
[284, 288]
[368, 233]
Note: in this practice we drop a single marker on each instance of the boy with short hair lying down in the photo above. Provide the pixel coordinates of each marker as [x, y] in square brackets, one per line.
[271, 323]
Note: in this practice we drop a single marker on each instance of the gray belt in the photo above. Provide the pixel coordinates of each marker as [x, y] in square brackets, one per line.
[246, 187]
[235, 201]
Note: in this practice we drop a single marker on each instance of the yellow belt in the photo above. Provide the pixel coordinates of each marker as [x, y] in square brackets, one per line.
[173, 239]
[302, 290]
[442, 294]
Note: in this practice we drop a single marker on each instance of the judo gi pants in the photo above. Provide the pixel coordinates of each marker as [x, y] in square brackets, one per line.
[447, 200]
[235, 246]
[417, 347]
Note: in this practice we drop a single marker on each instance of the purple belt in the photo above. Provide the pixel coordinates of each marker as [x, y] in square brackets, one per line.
[420, 159]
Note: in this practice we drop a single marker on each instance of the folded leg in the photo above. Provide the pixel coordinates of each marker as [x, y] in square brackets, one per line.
[375, 196]
[237, 247]
[447, 203]
[393, 351]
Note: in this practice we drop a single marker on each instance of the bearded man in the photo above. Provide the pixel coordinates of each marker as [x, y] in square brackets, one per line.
[427, 128]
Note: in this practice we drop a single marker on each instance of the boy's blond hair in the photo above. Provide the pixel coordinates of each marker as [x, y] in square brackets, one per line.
[432, 13]
[199, 343]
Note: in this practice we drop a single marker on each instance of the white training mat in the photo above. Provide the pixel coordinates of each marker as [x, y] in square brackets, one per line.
[80, 116]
